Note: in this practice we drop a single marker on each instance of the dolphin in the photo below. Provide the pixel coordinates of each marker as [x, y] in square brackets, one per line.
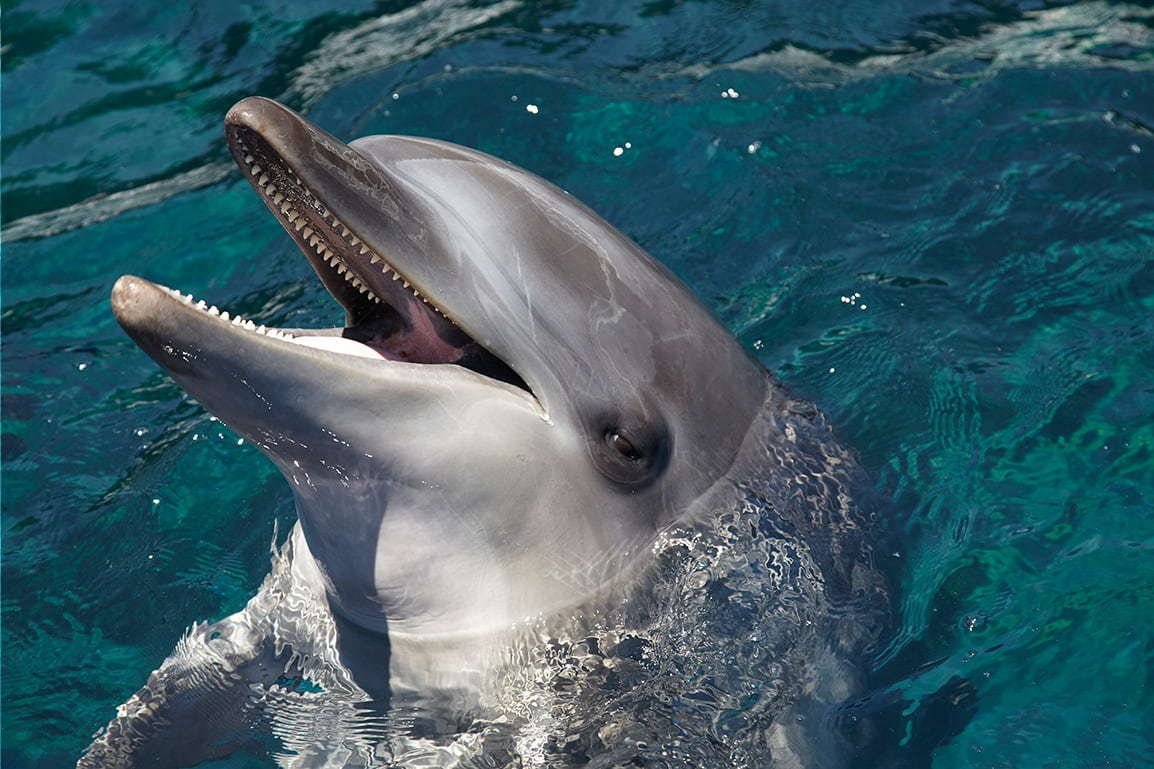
[496, 448]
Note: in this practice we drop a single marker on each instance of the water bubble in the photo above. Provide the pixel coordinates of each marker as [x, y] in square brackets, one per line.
[531, 109]
[973, 622]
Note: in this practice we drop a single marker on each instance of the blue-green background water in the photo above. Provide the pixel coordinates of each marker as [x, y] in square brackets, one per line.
[935, 218]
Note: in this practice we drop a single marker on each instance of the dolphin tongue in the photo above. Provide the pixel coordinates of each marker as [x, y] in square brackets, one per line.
[415, 335]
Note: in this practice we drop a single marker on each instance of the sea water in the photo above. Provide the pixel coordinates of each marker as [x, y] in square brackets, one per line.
[933, 218]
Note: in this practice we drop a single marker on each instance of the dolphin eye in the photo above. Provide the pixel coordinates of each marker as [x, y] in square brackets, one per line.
[630, 451]
[623, 446]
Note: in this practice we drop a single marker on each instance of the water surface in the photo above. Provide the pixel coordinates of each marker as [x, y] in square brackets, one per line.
[934, 218]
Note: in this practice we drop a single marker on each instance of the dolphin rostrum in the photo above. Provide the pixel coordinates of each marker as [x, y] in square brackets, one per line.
[522, 418]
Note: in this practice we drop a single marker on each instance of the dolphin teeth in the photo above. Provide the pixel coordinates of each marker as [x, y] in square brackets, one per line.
[224, 315]
[278, 198]
[256, 170]
[248, 159]
[202, 305]
[213, 310]
[353, 238]
[406, 283]
[342, 269]
[374, 259]
[307, 232]
[345, 231]
[300, 223]
[263, 179]
[397, 276]
[292, 217]
[364, 250]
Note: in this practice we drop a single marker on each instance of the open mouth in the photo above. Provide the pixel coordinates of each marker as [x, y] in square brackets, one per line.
[387, 317]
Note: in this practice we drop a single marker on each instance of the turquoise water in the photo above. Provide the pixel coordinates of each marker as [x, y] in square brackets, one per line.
[933, 218]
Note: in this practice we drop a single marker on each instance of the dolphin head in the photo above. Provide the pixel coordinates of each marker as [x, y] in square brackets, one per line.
[518, 400]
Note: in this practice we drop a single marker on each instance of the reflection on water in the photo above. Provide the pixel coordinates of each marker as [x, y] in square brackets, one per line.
[1088, 35]
[975, 176]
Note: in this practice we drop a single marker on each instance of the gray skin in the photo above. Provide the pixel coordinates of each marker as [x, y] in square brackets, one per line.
[505, 449]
